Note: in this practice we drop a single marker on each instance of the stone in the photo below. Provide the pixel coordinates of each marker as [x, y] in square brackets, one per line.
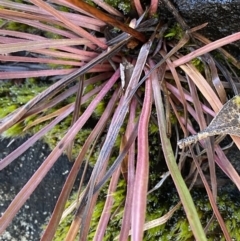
[27, 225]
[222, 17]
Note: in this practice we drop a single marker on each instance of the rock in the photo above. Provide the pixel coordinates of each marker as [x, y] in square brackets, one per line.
[27, 224]
[222, 17]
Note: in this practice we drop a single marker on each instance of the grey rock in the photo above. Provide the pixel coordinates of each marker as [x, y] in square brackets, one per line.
[27, 224]
[222, 17]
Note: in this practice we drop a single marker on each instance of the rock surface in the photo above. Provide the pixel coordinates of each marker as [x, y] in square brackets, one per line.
[222, 16]
[27, 224]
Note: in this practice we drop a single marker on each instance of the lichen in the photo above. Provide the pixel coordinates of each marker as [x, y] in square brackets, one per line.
[124, 6]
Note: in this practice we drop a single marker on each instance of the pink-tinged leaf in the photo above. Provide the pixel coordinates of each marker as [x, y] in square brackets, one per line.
[207, 48]
[57, 213]
[106, 213]
[138, 7]
[31, 185]
[41, 73]
[62, 54]
[126, 221]
[189, 98]
[220, 159]
[212, 199]
[83, 33]
[9, 58]
[108, 8]
[142, 168]
[118, 117]
[226, 166]
[70, 5]
[27, 144]
[153, 7]
[227, 55]
[180, 185]
[206, 91]
[46, 27]
[66, 52]
[202, 124]
[37, 73]
[35, 45]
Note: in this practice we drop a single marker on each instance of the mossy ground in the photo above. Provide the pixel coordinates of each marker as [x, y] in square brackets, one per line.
[159, 203]
[177, 228]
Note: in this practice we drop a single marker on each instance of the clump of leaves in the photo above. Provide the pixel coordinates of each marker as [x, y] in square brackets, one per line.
[142, 78]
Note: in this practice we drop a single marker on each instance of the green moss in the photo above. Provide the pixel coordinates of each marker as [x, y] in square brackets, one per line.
[21, 27]
[63, 8]
[173, 119]
[65, 224]
[59, 66]
[198, 64]
[174, 32]
[177, 228]
[152, 128]
[115, 222]
[14, 131]
[18, 1]
[7, 110]
[14, 96]
[90, 3]
[15, 26]
[2, 21]
[51, 35]
[99, 109]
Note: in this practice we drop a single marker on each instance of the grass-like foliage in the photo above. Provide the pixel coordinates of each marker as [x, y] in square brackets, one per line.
[110, 87]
